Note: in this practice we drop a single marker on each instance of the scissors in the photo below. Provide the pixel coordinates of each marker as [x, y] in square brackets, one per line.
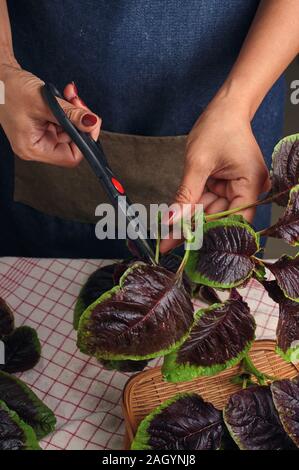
[94, 154]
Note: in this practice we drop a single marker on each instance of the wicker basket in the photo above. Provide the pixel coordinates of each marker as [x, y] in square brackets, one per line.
[147, 390]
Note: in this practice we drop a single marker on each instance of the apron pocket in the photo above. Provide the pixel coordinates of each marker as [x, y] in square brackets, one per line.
[150, 169]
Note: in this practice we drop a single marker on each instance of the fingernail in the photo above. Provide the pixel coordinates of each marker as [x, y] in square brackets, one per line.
[75, 88]
[89, 120]
[171, 216]
[168, 217]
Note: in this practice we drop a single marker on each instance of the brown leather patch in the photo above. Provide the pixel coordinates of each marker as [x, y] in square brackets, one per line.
[150, 168]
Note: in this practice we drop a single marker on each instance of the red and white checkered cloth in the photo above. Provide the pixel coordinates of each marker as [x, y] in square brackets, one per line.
[85, 398]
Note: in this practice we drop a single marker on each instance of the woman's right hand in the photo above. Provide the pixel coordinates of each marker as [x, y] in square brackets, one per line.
[31, 128]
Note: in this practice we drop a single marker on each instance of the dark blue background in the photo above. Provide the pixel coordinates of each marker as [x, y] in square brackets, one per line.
[146, 67]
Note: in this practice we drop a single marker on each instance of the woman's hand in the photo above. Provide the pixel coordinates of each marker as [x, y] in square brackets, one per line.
[224, 166]
[31, 128]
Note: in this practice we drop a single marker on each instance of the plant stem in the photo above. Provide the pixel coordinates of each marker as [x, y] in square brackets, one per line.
[245, 382]
[183, 263]
[250, 368]
[189, 239]
[266, 200]
[157, 254]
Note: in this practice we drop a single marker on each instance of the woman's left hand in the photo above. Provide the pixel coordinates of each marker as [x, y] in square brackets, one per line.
[224, 166]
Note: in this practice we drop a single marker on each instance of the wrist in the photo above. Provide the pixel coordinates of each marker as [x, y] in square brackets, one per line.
[7, 62]
[236, 95]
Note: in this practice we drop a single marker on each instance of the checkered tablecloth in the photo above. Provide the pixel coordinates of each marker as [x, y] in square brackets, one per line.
[85, 398]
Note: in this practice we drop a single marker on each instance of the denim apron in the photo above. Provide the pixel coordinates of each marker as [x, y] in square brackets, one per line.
[148, 68]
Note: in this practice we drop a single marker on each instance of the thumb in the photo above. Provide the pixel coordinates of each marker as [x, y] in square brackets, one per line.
[189, 191]
[188, 194]
[245, 193]
[83, 119]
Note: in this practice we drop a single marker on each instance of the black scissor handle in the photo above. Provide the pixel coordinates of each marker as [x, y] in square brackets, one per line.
[94, 154]
[83, 141]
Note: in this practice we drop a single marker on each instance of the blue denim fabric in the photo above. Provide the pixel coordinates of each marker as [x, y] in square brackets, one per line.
[147, 67]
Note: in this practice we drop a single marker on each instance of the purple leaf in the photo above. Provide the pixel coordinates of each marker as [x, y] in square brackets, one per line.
[285, 167]
[285, 394]
[99, 282]
[22, 350]
[206, 294]
[253, 421]
[143, 317]
[286, 273]
[274, 291]
[287, 331]
[226, 257]
[287, 227]
[19, 398]
[235, 295]
[14, 433]
[184, 422]
[172, 263]
[220, 337]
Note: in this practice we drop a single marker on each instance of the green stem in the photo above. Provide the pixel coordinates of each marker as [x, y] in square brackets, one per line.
[157, 254]
[189, 239]
[243, 379]
[266, 200]
[250, 368]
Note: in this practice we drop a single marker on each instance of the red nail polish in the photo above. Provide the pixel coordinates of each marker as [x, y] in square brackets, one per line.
[89, 120]
[75, 88]
[171, 215]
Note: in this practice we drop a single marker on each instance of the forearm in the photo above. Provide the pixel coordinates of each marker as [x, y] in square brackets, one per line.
[6, 47]
[271, 45]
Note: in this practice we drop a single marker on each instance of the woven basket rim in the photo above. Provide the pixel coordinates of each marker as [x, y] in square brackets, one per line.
[149, 376]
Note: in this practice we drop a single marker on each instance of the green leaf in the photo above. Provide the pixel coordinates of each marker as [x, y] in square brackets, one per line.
[220, 337]
[14, 433]
[19, 398]
[285, 167]
[287, 227]
[185, 422]
[290, 355]
[226, 257]
[22, 350]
